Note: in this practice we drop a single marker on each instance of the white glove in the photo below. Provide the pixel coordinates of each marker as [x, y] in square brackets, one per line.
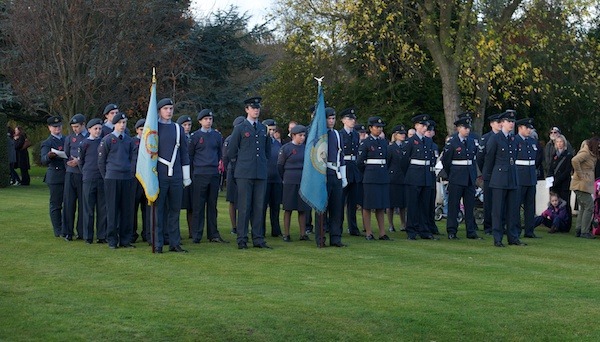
[186, 176]
[343, 174]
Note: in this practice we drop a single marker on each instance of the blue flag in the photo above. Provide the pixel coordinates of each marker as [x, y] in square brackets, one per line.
[145, 170]
[313, 187]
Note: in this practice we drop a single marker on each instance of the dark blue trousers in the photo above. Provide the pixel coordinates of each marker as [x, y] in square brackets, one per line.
[334, 212]
[205, 193]
[73, 203]
[56, 205]
[528, 203]
[250, 202]
[94, 206]
[418, 200]
[505, 206]
[168, 207]
[118, 211]
[455, 193]
[350, 197]
[273, 199]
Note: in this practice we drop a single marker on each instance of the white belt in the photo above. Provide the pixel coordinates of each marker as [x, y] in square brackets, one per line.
[525, 162]
[375, 161]
[333, 166]
[462, 162]
[349, 157]
[170, 163]
[420, 162]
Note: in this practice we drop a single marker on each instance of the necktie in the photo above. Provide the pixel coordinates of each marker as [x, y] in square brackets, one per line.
[254, 125]
[120, 137]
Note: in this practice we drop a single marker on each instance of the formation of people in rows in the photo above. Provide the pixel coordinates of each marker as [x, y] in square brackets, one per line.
[95, 195]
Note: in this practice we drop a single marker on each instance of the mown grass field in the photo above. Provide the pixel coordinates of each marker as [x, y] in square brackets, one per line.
[53, 290]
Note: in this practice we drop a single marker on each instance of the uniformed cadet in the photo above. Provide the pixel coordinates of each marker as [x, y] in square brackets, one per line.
[290, 162]
[372, 161]
[173, 175]
[250, 146]
[186, 203]
[94, 200]
[430, 133]
[139, 201]
[115, 155]
[73, 199]
[458, 160]
[496, 126]
[205, 155]
[395, 156]
[472, 135]
[500, 156]
[55, 173]
[109, 113]
[274, 193]
[418, 179]
[336, 181]
[231, 196]
[527, 155]
[350, 141]
[362, 132]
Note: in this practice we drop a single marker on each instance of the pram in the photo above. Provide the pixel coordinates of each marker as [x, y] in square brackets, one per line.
[441, 209]
[478, 209]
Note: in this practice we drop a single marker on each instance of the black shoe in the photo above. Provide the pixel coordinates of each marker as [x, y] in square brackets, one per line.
[158, 250]
[429, 237]
[177, 249]
[453, 237]
[79, 237]
[499, 244]
[411, 238]
[517, 243]
[234, 231]
[101, 241]
[68, 237]
[356, 233]
[474, 237]
[392, 229]
[276, 235]
[532, 236]
[112, 246]
[304, 238]
[369, 237]
[89, 241]
[403, 229]
[338, 244]
[242, 245]
[286, 238]
[128, 246]
[487, 233]
[218, 240]
[587, 236]
[385, 237]
[436, 233]
[263, 245]
[196, 241]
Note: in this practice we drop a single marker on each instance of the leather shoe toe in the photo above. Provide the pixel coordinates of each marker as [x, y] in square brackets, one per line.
[263, 245]
[338, 244]
[177, 249]
[499, 244]
[453, 237]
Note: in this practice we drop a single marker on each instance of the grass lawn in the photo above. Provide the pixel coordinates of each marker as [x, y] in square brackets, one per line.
[373, 290]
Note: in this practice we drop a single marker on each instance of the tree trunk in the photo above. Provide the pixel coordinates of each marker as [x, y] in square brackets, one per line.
[451, 95]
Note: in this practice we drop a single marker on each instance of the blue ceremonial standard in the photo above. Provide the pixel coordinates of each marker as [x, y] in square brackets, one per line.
[313, 186]
[145, 170]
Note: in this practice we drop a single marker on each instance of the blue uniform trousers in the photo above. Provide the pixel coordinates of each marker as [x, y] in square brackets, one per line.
[333, 214]
[273, 198]
[487, 207]
[250, 202]
[505, 208]
[455, 193]
[168, 207]
[56, 204]
[528, 203]
[350, 196]
[73, 203]
[140, 201]
[205, 193]
[94, 206]
[418, 201]
[118, 211]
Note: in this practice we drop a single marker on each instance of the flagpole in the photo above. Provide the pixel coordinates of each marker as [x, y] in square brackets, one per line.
[321, 229]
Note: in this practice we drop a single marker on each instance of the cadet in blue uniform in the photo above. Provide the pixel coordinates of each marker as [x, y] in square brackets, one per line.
[430, 223]
[115, 155]
[250, 146]
[55, 174]
[273, 196]
[397, 191]
[173, 175]
[372, 161]
[418, 180]
[336, 181]
[290, 162]
[501, 150]
[527, 154]
[350, 142]
[229, 164]
[496, 126]
[109, 113]
[73, 199]
[458, 160]
[94, 203]
[139, 201]
[186, 202]
[205, 155]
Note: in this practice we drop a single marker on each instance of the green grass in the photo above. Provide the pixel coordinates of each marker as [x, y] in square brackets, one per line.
[399, 290]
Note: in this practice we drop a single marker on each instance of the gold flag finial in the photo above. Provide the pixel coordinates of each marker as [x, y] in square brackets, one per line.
[153, 75]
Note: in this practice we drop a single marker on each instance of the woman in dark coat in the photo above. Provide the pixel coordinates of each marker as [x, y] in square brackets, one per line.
[21, 147]
[560, 168]
[397, 190]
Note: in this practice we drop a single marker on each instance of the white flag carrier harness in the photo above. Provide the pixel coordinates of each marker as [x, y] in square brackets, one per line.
[169, 164]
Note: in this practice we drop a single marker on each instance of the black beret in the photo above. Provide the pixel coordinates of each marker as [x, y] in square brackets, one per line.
[238, 120]
[140, 123]
[510, 115]
[204, 113]
[360, 128]
[527, 122]
[94, 122]
[109, 107]
[375, 121]
[421, 118]
[465, 115]
[120, 116]
[329, 112]
[399, 129]
[348, 113]
[298, 129]
[269, 122]
[164, 102]
[183, 119]
[253, 102]
[54, 121]
[464, 121]
[494, 117]
[77, 119]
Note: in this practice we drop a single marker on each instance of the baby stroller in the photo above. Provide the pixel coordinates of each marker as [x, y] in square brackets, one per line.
[441, 210]
[478, 210]
[596, 217]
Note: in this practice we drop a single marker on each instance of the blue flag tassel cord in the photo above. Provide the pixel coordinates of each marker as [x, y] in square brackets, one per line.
[148, 157]
[313, 186]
